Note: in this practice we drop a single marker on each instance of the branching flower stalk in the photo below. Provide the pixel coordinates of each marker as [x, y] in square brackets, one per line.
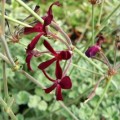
[5, 52]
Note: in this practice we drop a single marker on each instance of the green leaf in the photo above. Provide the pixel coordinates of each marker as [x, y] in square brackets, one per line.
[34, 101]
[20, 117]
[42, 105]
[22, 97]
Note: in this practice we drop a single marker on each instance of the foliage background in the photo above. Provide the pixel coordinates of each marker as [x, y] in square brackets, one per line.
[31, 103]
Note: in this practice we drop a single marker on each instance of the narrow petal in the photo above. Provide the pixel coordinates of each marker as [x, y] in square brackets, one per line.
[49, 16]
[65, 55]
[47, 63]
[66, 83]
[28, 59]
[50, 8]
[58, 93]
[58, 71]
[37, 28]
[48, 90]
[92, 51]
[31, 46]
[49, 47]
[48, 77]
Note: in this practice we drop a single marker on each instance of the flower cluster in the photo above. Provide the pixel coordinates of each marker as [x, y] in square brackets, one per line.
[62, 81]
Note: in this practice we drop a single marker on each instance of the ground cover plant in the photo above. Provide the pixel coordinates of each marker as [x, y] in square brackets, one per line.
[59, 60]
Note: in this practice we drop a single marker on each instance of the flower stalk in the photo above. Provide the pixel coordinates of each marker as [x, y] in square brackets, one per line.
[7, 109]
[108, 81]
[93, 24]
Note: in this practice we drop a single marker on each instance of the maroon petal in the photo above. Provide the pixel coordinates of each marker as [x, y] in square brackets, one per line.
[28, 59]
[48, 77]
[49, 47]
[58, 93]
[50, 8]
[48, 90]
[49, 17]
[58, 71]
[31, 46]
[37, 28]
[65, 55]
[92, 51]
[47, 63]
[66, 83]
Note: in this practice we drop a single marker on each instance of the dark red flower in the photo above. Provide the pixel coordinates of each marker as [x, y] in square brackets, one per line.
[30, 52]
[41, 28]
[61, 82]
[63, 55]
[93, 50]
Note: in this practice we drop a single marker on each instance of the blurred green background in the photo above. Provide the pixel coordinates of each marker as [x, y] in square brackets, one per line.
[31, 103]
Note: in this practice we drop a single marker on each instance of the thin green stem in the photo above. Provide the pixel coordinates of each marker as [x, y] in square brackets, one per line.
[81, 68]
[88, 59]
[2, 38]
[4, 58]
[100, 15]
[5, 81]
[32, 79]
[102, 96]
[93, 24]
[30, 10]
[4, 64]
[7, 109]
[74, 65]
[104, 23]
[66, 108]
[16, 21]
